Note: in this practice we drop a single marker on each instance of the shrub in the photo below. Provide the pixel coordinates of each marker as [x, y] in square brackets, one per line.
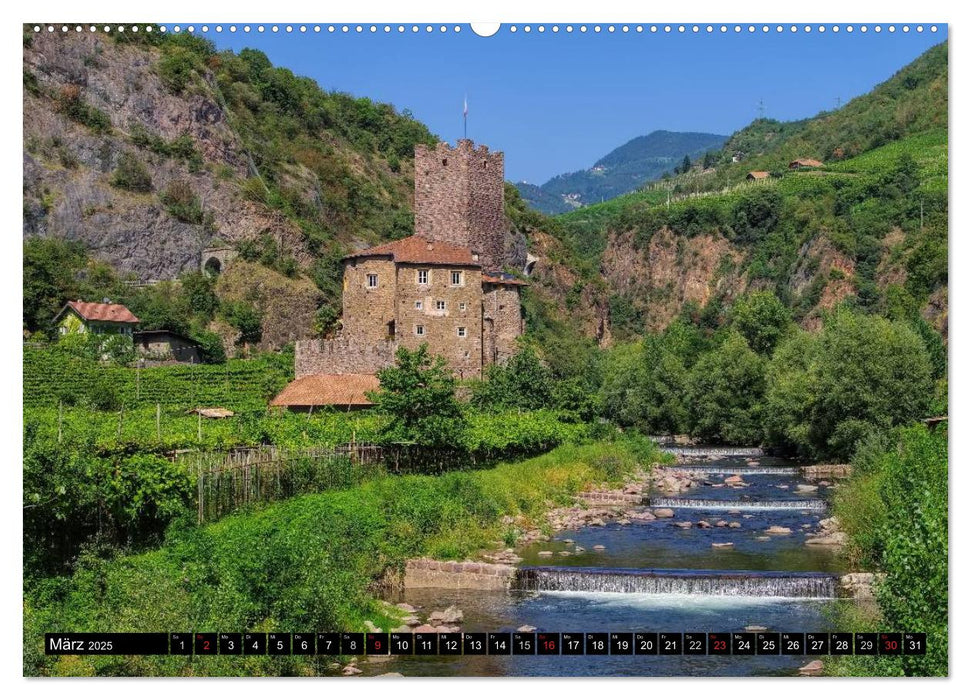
[182, 203]
[131, 174]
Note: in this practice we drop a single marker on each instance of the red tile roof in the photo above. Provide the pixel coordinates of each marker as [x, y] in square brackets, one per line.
[94, 311]
[758, 174]
[503, 280]
[328, 390]
[416, 249]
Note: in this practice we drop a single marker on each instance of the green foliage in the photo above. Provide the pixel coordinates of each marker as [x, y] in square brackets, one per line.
[523, 382]
[71, 103]
[895, 510]
[724, 392]
[861, 374]
[50, 269]
[306, 563]
[51, 374]
[184, 204]
[245, 318]
[179, 67]
[131, 174]
[762, 319]
[418, 397]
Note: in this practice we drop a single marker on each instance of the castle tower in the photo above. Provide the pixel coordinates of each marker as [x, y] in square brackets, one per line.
[459, 199]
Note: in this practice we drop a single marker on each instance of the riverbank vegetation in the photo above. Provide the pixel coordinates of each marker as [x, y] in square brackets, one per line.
[894, 509]
[306, 563]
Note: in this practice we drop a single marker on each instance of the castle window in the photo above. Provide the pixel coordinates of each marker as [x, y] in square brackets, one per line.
[440, 305]
[456, 278]
[462, 332]
[419, 330]
[463, 306]
[419, 305]
[423, 277]
[372, 281]
[444, 161]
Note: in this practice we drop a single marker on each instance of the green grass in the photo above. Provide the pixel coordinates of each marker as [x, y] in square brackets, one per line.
[303, 564]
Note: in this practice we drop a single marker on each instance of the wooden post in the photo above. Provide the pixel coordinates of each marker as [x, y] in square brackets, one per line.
[199, 426]
[158, 421]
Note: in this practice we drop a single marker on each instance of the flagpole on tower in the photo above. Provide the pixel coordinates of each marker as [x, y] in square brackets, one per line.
[465, 118]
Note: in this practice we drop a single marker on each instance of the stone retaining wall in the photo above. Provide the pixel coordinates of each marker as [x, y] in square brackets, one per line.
[467, 575]
[838, 471]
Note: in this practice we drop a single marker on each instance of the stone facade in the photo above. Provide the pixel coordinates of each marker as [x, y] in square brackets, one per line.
[450, 317]
[369, 311]
[459, 199]
[442, 287]
[342, 355]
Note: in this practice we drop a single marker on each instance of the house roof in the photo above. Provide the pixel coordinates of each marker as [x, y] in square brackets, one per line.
[416, 249]
[94, 311]
[805, 163]
[503, 280]
[328, 390]
[759, 174]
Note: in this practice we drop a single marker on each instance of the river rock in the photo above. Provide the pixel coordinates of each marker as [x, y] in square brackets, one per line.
[597, 522]
[722, 545]
[390, 674]
[425, 628]
[756, 628]
[526, 628]
[663, 513]
[567, 541]
[406, 607]
[778, 530]
[860, 585]
[734, 523]
[747, 516]
[645, 516]
[685, 525]
[782, 486]
[449, 616]
[813, 668]
[563, 553]
[828, 539]
[704, 524]
[351, 671]
[734, 512]
[721, 523]
[734, 479]
[832, 523]
[806, 488]
[763, 538]
[544, 553]
[579, 549]
[599, 547]
[824, 483]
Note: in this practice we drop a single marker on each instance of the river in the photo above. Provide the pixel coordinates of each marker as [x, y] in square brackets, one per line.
[657, 577]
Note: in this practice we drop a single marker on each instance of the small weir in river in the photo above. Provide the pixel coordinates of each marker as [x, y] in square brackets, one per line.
[721, 469]
[762, 584]
[716, 504]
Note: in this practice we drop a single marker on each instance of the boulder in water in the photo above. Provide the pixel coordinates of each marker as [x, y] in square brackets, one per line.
[687, 524]
[525, 628]
[599, 547]
[756, 628]
[763, 538]
[734, 523]
[778, 530]
[721, 523]
[806, 488]
[406, 607]
[722, 545]
[663, 513]
[544, 553]
[704, 524]
[733, 479]
[579, 549]
[830, 539]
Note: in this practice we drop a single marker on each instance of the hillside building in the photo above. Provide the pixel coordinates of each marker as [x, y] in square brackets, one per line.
[95, 317]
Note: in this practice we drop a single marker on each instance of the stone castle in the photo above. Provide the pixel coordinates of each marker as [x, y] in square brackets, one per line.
[443, 286]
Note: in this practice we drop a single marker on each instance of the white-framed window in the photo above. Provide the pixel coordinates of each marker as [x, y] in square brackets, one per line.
[419, 330]
[463, 306]
[372, 281]
[419, 305]
[462, 332]
[440, 305]
[423, 277]
[456, 278]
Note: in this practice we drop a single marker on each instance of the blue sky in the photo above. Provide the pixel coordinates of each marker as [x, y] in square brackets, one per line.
[557, 102]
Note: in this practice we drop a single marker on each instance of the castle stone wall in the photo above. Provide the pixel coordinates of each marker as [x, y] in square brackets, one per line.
[342, 355]
[502, 322]
[367, 312]
[459, 198]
